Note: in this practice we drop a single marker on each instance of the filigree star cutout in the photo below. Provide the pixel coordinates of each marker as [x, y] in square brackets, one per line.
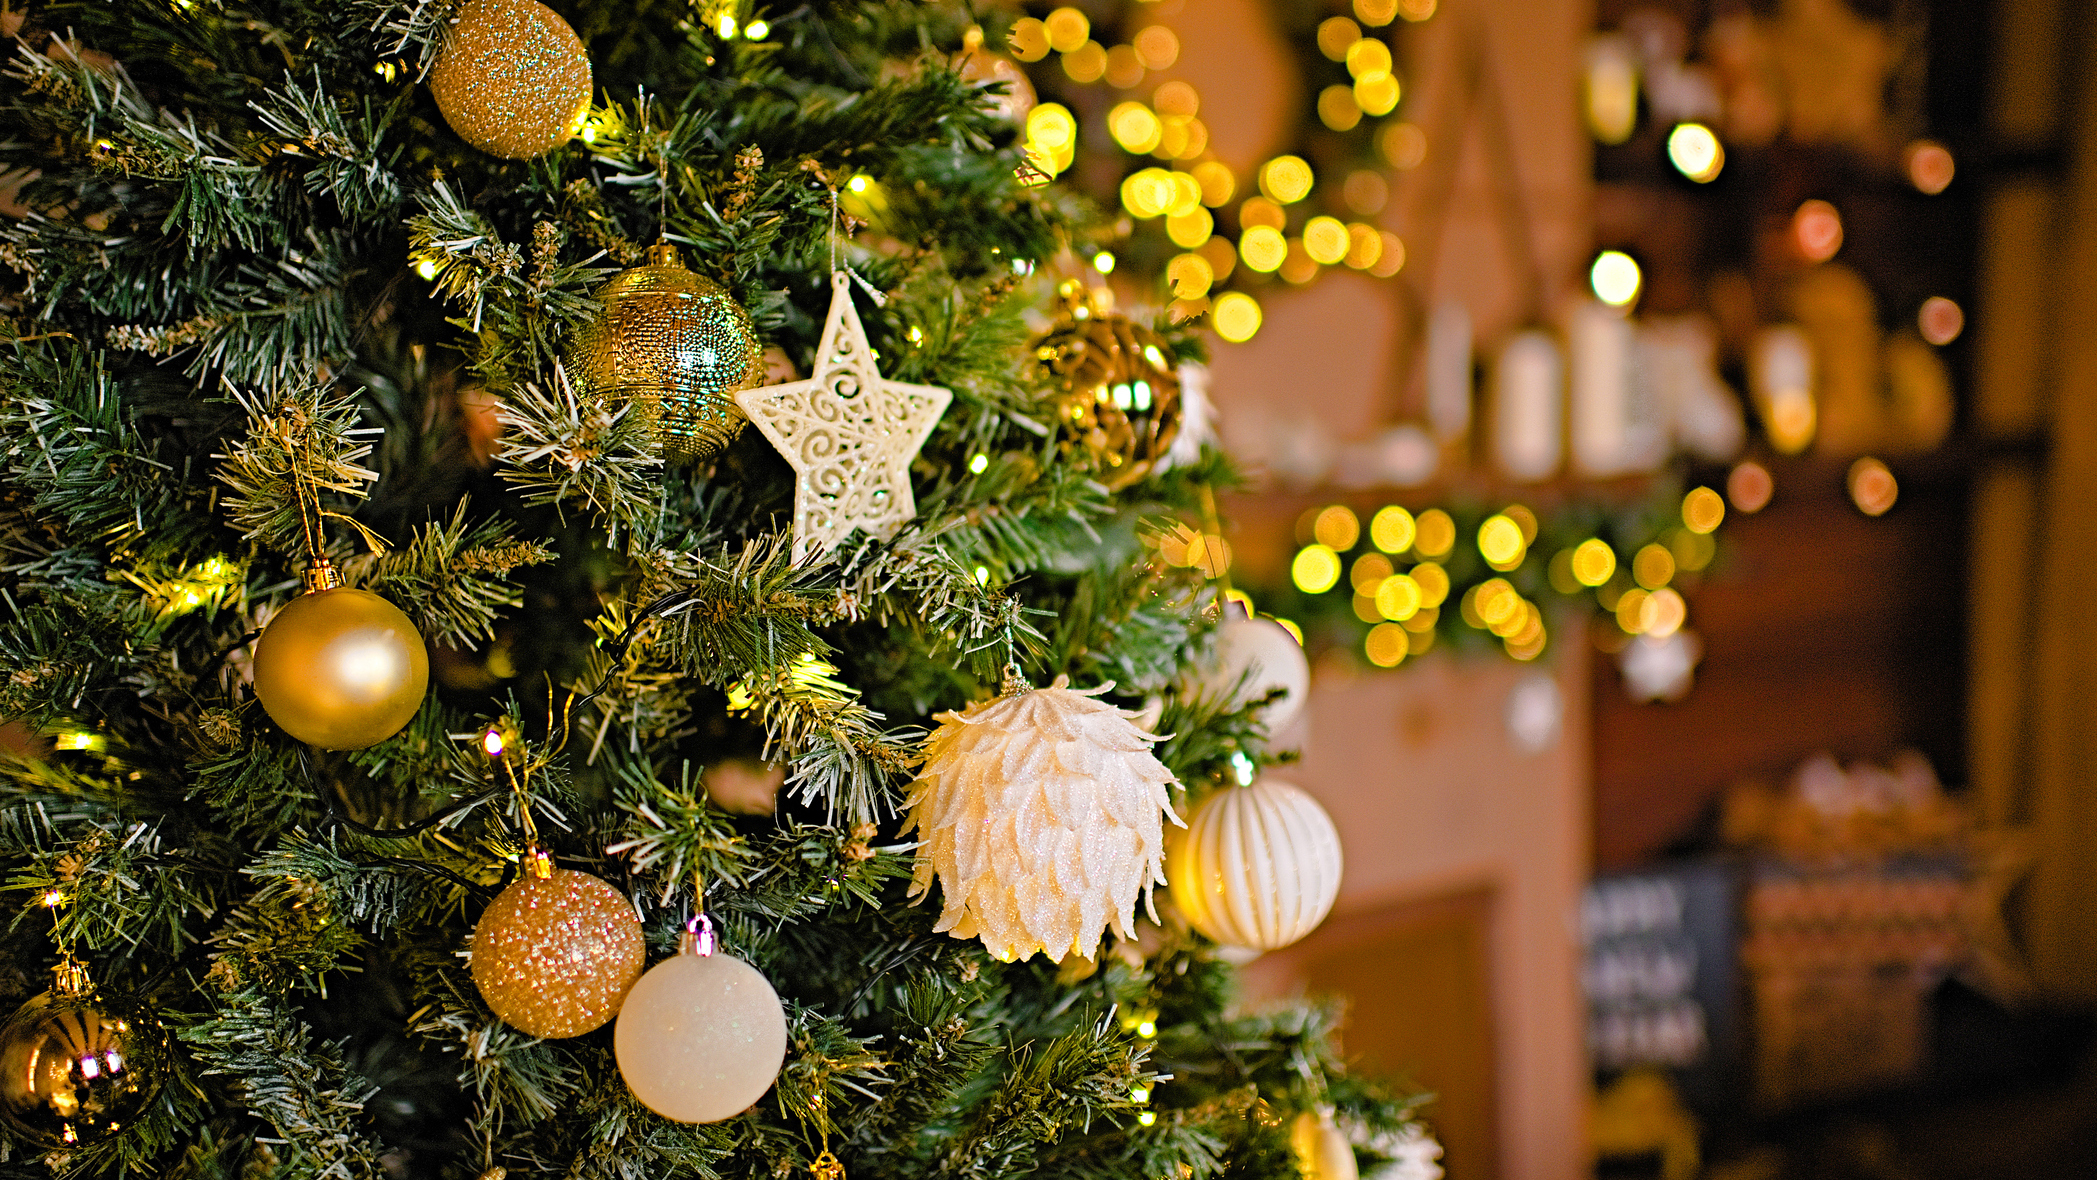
[849, 433]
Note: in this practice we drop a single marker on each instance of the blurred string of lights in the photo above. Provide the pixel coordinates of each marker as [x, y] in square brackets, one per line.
[1393, 583]
[1196, 200]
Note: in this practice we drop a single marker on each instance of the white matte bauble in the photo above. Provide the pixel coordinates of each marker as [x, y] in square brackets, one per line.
[1322, 1150]
[700, 1038]
[1258, 866]
[1255, 657]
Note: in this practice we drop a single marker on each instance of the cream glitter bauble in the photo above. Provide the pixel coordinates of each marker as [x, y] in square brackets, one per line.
[1322, 1150]
[513, 79]
[1253, 658]
[701, 1037]
[674, 344]
[555, 956]
[341, 669]
[1042, 814]
[1258, 866]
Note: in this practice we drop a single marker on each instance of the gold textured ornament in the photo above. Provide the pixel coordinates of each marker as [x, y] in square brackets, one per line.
[341, 669]
[512, 79]
[554, 955]
[702, 1035]
[1119, 400]
[77, 1068]
[848, 432]
[1042, 815]
[678, 347]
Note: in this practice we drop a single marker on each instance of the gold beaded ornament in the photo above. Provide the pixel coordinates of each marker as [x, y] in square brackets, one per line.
[1119, 405]
[676, 346]
[513, 79]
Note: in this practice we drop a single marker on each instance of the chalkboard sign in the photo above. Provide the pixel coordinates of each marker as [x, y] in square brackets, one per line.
[1661, 973]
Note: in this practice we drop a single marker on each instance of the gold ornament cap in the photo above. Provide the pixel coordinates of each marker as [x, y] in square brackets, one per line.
[677, 347]
[321, 575]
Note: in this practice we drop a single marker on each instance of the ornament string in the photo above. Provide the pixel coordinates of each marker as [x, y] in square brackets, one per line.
[837, 216]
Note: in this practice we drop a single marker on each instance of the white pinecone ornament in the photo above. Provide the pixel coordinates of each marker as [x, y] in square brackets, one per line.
[1042, 814]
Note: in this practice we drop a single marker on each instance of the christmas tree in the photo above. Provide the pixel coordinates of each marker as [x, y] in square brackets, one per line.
[408, 642]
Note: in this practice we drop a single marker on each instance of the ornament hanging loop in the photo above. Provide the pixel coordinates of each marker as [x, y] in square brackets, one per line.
[1015, 681]
[699, 937]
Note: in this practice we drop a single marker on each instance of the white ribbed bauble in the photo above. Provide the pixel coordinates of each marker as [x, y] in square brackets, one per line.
[1255, 657]
[1259, 866]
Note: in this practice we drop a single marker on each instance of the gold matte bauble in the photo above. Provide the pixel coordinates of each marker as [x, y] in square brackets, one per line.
[1119, 389]
[555, 957]
[1321, 1149]
[77, 1069]
[340, 669]
[512, 79]
[701, 1037]
[677, 347]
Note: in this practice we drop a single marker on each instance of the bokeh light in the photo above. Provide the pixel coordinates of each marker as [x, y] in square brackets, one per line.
[1190, 276]
[1872, 486]
[1368, 572]
[1702, 510]
[1377, 93]
[1399, 597]
[1337, 108]
[1068, 29]
[1612, 89]
[1695, 152]
[1315, 570]
[1157, 47]
[1086, 63]
[1653, 566]
[1390, 257]
[1367, 57]
[1176, 98]
[1385, 645]
[1029, 39]
[1135, 127]
[1929, 166]
[1263, 248]
[1337, 527]
[1376, 13]
[1662, 614]
[1366, 192]
[1298, 267]
[1434, 584]
[1190, 229]
[1630, 611]
[1749, 486]
[1336, 35]
[1436, 533]
[1392, 529]
[1404, 145]
[1326, 240]
[1286, 179]
[1237, 316]
[1124, 69]
[1940, 320]
[1593, 561]
[1417, 10]
[1614, 278]
[1217, 183]
[1816, 231]
[1500, 541]
[1364, 246]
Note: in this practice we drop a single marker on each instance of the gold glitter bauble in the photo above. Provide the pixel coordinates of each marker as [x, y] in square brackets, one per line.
[513, 79]
[341, 669]
[555, 957]
[1120, 401]
[678, 347]
[77, 1069]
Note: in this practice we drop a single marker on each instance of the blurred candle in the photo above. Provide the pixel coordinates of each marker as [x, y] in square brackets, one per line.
[1781, 375]
[1600, 341]
[1449, 371]
[1528, 410]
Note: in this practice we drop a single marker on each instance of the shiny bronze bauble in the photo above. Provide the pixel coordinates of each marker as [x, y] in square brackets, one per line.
[554, 956]
[676, 347]
[341, 669]
[512, 79]
[76, 1069]
[1119, 400]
